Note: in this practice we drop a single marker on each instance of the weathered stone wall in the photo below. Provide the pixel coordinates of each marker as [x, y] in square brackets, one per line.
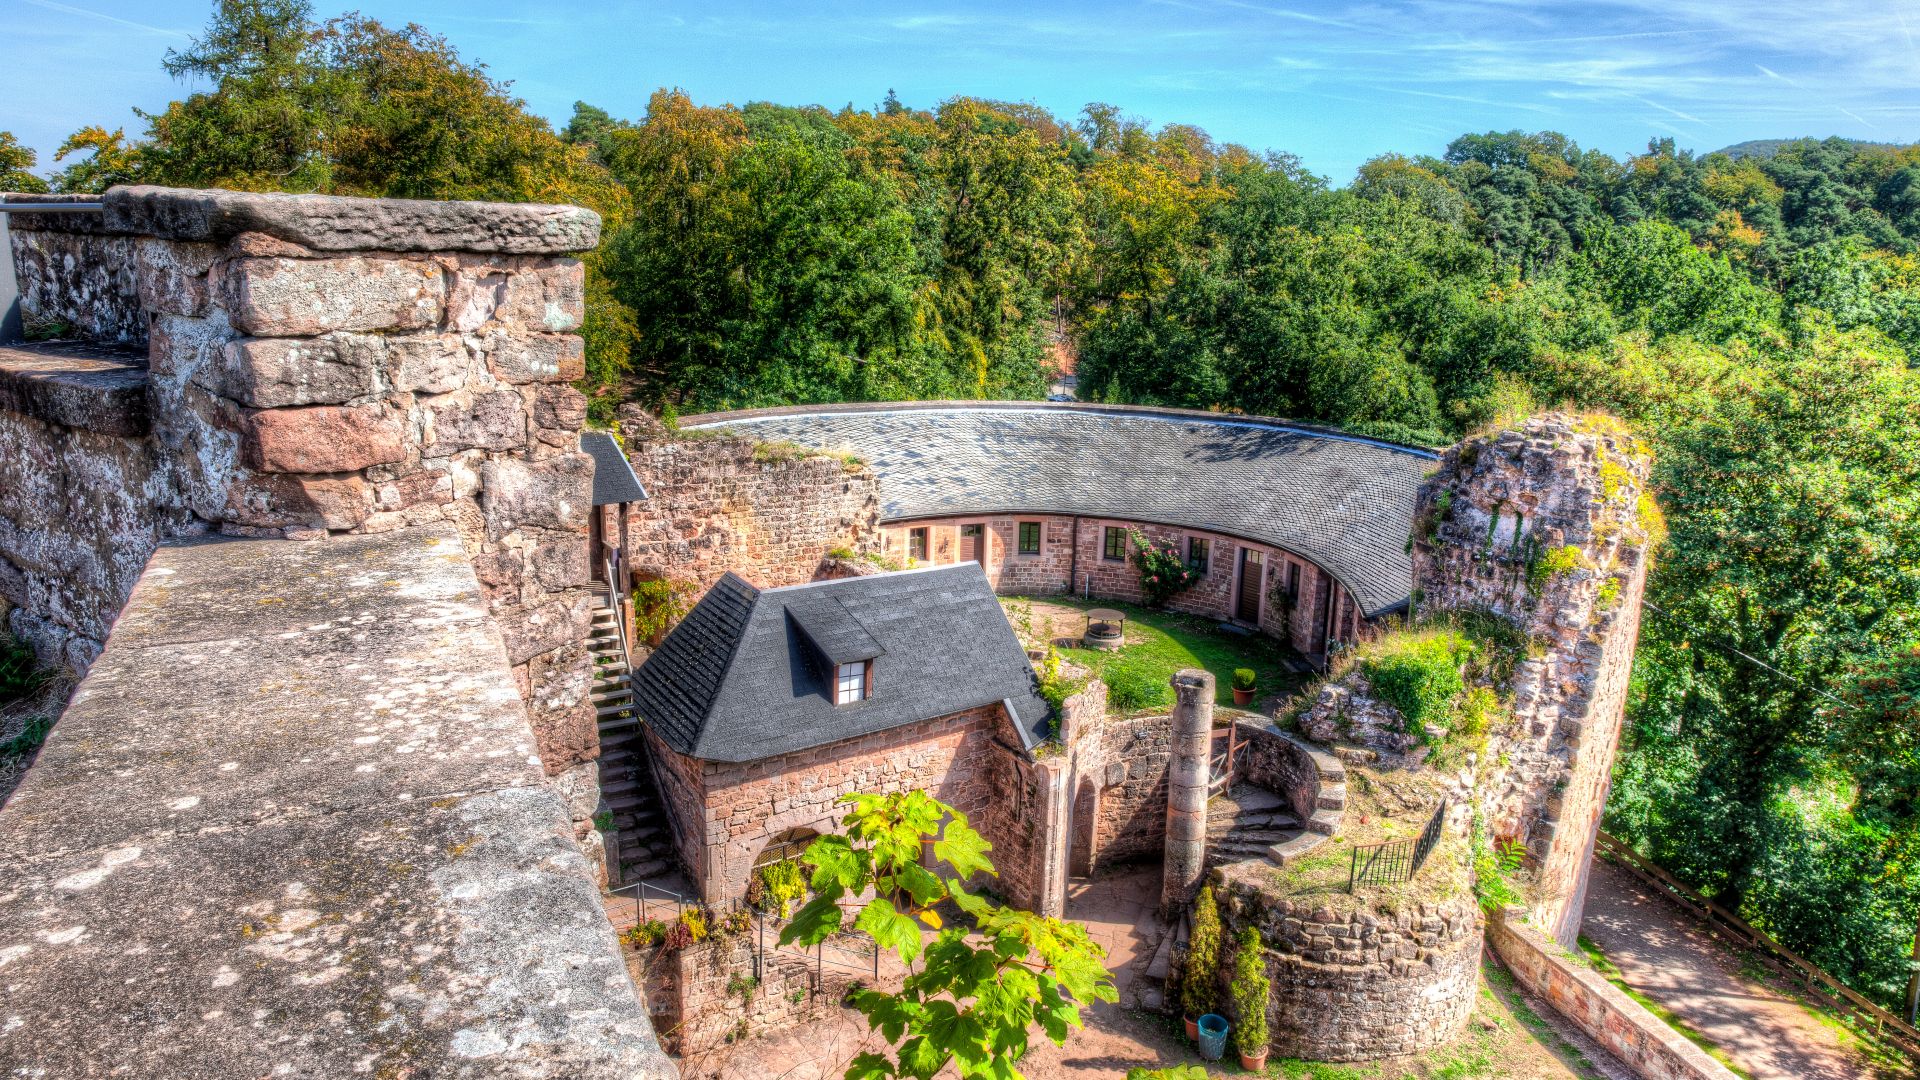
[1368, 984]
[1079, 566]
[1547, 525]
[717, 1005]
[1120, 808]
[1643, 1042]
[321, 366]
[1291, 769]
[721, 502]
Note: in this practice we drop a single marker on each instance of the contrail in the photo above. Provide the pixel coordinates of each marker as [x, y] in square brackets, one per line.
[50, 5]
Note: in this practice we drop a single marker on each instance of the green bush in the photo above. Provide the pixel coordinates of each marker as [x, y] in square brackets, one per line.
[1163, 573]
[783, 884]
[1200, 978]
[1249, 995]
[1133, 685]
[1243, 678]
[1419, 674]
[1494, 869]
[20, 673]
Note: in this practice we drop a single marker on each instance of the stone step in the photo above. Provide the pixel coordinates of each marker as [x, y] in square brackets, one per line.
[1295, 848]
[1220, 826]
[1260, 837]
[1324, 821]
[639, 871]
[1162, 963]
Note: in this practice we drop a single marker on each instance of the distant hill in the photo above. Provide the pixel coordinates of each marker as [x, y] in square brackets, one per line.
[1766, 148]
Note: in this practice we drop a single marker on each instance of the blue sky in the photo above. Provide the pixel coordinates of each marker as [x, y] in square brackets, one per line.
[1334, 82]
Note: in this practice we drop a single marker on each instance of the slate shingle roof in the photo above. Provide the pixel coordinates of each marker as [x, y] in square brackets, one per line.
[740, 680]
[1344, 502]
[613, 477]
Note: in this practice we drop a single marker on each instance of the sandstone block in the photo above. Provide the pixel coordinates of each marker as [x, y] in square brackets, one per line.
[172, 276]
[278, 501]
[551, 298]
[559, 561]
[555, 493]
[559, 412]
[268, 373]
[528, 358]
[543, 629]
[278, 297]
[427, 363]
[322, 439]
[488, 422]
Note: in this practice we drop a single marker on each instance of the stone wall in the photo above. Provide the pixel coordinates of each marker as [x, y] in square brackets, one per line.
[1366, 984]
[320, 366]
[718, 1001]
[970, 760]
[1072, 559]
[1547, 525]
[1307, 777]
[722, 502]
[1642, 1041]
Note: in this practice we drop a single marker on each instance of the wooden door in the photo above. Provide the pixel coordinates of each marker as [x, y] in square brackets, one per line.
[971, 543]
[1246, 606]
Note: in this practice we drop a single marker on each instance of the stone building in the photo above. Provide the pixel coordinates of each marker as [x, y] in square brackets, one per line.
[1297, 531]
[764, 706]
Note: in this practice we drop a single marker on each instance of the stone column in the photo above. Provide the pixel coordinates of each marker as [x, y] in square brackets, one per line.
[1187, 774]
[1054, 779]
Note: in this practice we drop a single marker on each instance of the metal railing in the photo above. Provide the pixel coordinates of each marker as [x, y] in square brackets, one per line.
[1396, 860]
[671, 903]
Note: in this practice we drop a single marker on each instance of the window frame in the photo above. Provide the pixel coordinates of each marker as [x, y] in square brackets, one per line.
[852, 677]
[1114, 539]
[1204, 565]
[922, 538]
[1020, 538]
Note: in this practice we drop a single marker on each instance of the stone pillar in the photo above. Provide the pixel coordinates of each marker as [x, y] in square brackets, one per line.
[1186, 858]
[1056, 832]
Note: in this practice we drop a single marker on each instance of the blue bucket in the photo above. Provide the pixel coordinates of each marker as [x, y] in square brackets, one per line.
[1213, 1036]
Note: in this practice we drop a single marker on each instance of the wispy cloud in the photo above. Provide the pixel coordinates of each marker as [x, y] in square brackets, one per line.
[69, 9]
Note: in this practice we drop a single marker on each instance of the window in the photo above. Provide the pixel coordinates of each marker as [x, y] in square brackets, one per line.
[1199, 553]
[917, 544]
[850, 683]
[1029, 538]
[1116, 549]
[1293, 582]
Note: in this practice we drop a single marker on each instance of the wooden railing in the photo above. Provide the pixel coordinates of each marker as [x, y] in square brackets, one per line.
[1876, 1020]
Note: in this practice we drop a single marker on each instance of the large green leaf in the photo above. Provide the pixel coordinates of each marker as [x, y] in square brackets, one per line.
[880, 921]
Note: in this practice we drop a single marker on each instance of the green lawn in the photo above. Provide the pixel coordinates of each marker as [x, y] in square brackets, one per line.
[1160, 643]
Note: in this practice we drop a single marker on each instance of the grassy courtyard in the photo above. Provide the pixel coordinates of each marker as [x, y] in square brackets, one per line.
[1159, 643]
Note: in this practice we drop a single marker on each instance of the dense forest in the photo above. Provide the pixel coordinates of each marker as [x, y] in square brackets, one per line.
[1754, 316]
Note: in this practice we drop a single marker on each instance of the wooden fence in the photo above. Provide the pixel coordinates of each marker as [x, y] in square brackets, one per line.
[1873, 1019]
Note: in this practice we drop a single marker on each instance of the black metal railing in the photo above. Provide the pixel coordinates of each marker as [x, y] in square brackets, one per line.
[1396, 860]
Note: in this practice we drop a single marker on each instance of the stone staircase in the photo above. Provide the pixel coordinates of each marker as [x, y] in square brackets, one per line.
[641, 847]
[1246, 821]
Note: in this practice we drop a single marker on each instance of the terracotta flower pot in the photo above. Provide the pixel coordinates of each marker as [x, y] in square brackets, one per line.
[1193, 1028]
[1254, 1064]
[1244, 697]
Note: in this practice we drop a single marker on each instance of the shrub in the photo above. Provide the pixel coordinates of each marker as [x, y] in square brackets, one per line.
[647, 933]
[1493, 870]
[1133, 685]
[1555, 562]
[1162, 571]
[784, 885]
[677, 937]
[1201, 975]
[1419, 674]
[1243, 678]
[695, 921]
[1250, 995]
[658, 605]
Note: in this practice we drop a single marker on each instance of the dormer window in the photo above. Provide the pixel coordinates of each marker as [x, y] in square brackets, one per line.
[850, 683]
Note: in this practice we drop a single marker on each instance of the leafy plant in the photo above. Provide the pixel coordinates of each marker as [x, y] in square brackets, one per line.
[1250, 986]
[967, 1006]
[1163, 573]
[784, 884]
[742, 986]
[1551, 564]
[1244, 679]
[658, 605]
[1419, 674]
[1199, 979]
[695, 921]
[1494, 869]
[603, 821]
[1171, 1072]
[647, 933]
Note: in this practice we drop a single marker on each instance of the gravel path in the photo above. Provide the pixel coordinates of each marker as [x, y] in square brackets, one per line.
[1663, 953]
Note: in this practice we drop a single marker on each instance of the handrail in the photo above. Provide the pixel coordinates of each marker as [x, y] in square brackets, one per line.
[1902, 1034]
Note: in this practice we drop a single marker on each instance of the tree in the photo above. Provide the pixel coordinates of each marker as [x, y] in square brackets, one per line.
[15, 162]
[1200, 975]
[972, 1007]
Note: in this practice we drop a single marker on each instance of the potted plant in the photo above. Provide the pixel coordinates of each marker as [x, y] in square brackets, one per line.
[1243, 685]
[1250, 1001]
[1201, 974]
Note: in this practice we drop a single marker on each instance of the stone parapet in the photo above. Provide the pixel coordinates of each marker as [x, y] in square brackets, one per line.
[293, 821]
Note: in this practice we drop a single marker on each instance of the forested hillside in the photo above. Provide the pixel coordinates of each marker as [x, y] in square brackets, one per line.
[1754, 318]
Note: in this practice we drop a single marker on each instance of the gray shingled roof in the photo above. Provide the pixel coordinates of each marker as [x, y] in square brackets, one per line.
[739, 679]
[613, 478]
[1344, 502]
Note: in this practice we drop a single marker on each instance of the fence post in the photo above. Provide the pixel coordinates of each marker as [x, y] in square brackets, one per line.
[1353, 869]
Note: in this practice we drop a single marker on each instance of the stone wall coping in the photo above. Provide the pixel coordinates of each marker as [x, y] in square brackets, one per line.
[1645, 1043]
[296, 796]
[324, 223]
[97, 388]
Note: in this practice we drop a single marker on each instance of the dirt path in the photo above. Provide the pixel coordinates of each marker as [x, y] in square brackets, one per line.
[1665, 955]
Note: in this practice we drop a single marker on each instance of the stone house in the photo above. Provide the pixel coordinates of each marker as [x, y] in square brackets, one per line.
[764, 706]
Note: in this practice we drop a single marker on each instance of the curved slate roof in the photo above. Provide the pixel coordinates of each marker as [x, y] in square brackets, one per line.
[745, 675]
[1342, 501]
